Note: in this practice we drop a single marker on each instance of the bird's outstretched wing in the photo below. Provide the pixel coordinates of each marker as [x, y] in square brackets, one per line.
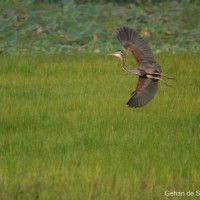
[145, 91]
[134, 42]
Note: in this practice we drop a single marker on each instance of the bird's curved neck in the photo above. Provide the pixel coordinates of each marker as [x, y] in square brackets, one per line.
[123, 64]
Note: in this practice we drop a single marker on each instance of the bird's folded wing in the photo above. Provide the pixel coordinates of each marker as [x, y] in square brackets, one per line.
[145, 91]
[135, 43]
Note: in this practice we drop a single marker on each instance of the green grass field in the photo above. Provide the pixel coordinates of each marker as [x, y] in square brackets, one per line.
[66, 132]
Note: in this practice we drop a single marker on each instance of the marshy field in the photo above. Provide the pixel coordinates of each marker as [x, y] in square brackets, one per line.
[66, 132]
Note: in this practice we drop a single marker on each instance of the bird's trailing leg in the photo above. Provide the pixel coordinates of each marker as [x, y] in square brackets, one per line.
[164, 76]
[156, 73]
[172, 78]
[158, 78]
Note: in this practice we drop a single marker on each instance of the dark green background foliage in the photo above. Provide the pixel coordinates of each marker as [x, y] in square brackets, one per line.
[52, 26]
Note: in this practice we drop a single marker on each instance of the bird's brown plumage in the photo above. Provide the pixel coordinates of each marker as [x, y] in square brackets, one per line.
[134, 42]
[146, 87]
[144, 92]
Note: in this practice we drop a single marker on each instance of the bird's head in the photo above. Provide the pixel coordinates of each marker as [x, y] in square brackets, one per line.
[119, 54]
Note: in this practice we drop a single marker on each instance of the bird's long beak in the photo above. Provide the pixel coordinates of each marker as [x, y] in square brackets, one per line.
[110, 54]
[113, 54]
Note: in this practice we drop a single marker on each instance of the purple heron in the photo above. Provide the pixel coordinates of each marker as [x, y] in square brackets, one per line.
[148, 70]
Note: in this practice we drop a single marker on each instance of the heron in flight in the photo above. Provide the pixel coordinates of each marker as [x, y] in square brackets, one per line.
[148, 70]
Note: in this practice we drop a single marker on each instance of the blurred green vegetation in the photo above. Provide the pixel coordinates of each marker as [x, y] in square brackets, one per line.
[52, 26]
